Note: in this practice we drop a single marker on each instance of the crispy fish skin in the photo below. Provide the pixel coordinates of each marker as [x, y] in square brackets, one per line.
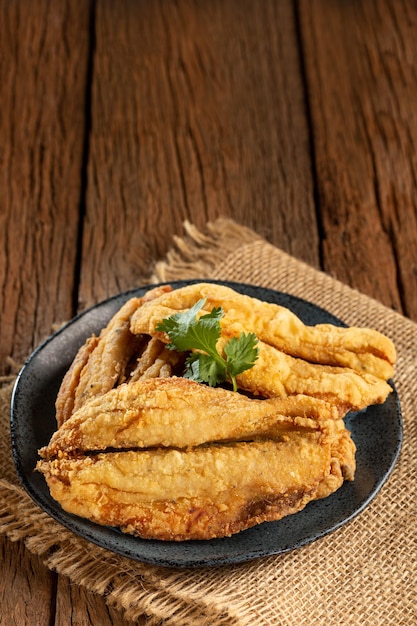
[361, 349]
[99, 364]
[66, 397]
[278, 374]
[155, 361]
[343, 462]
[201, 493]
[177, 412]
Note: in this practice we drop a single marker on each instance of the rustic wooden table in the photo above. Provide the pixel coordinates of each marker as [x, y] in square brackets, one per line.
[121, 119]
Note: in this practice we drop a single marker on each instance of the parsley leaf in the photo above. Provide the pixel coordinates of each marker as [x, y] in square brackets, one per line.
[200, 337]
[204, 368]
[241, 353]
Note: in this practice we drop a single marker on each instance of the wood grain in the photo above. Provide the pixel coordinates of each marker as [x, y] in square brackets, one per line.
[198, 111]
[361, 60]
[27, 587]
[298, 119]
[77, 606]
[43, 69]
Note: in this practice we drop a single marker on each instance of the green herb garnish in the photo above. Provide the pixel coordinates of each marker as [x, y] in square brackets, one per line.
[205, 364]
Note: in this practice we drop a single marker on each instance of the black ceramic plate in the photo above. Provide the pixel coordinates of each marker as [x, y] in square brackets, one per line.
[377, 432]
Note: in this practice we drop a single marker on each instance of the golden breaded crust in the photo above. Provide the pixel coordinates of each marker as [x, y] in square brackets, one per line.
[278, 374]
[201, 493]
[142, 448]
[181, 413]
[361, 349]
[64, 404]
[99, 365]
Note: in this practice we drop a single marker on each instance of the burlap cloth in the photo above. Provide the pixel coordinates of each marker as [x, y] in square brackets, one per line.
[364, 573]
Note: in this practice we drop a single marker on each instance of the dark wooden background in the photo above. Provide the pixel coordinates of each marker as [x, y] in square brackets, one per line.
[119, 119]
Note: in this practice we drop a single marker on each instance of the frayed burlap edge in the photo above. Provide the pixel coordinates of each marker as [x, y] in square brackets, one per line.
[200, 253]
[225, 250]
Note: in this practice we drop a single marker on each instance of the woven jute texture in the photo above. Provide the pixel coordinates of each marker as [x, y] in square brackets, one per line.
[362, 574]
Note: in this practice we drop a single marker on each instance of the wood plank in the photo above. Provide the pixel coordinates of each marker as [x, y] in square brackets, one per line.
[78, 606]
[364, 131]
[43, 70]
[198, 111]
[27, 587]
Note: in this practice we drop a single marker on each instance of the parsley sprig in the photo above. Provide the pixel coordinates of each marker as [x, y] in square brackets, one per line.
[200, 337]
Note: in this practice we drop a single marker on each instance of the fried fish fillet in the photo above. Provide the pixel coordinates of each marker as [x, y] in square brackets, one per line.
[361, 349]
[102, 362]
[129, 349]
[278, 374]
[142, 448]
[200, 493]
[231, 462]
[181, 413]
[99, 364]
[156, 361]
[65, 400]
